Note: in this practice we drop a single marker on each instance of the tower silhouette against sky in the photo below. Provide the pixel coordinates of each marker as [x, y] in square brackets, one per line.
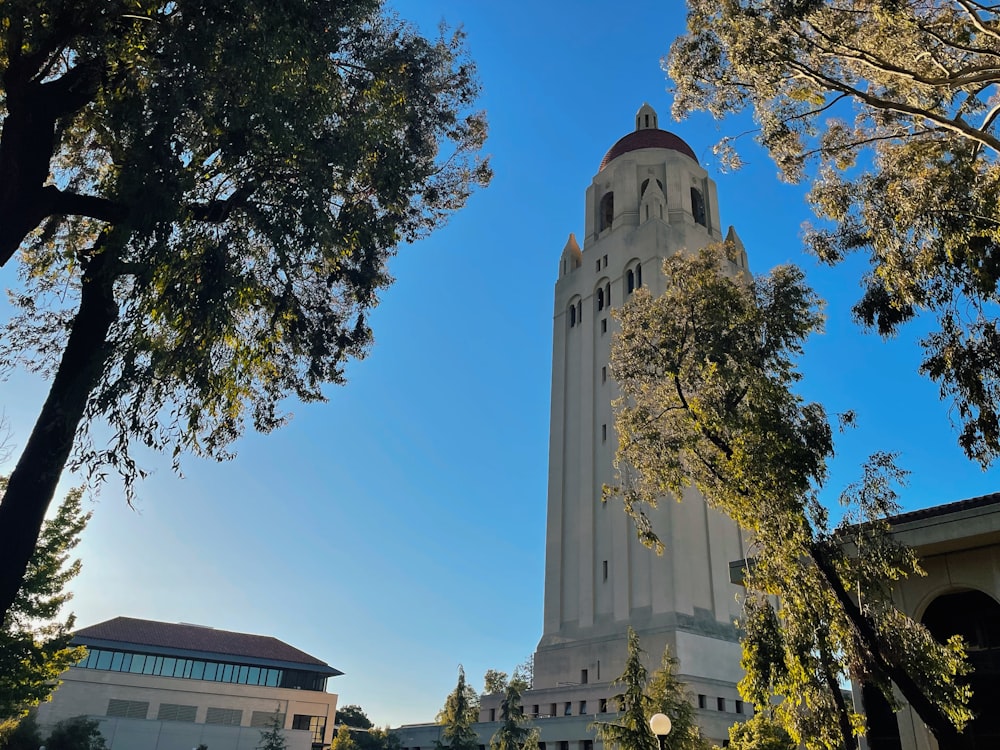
[649, 200]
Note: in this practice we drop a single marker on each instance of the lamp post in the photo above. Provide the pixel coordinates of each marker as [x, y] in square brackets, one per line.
[660, 724]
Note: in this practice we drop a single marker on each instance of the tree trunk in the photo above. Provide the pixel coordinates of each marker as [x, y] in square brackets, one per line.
[939, 724]
[33, 481]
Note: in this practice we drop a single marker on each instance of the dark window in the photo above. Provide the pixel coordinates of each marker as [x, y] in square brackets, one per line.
[572, 315]
[583, 676]
[607, 294]
[583, 708]
[604, 433]
[604, 261]
[598, 264]
[604, 565]
[315, 724]
[604, 325]
[720, 703]
[553, 711]
[600, 299]
[602, 705]
[638, 275]
[630, 281]
[604, 374]
[568, 708]
[698, 207]
[493, 714]
[702, 701]
[534, 711]
[739, 707]
[607, 214]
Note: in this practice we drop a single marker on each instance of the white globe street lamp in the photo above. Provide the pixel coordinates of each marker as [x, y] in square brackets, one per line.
[660, 724]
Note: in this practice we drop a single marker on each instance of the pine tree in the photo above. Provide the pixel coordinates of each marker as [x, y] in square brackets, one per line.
[513, 732]
[272, 738]
[460, 712]
[630, 731]
[34, 640]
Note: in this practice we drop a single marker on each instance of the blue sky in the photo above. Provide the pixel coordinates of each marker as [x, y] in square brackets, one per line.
[397, 530]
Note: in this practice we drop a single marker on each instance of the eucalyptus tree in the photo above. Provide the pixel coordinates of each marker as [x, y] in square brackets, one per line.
[707, 375]
[202, 198]
[890, 111]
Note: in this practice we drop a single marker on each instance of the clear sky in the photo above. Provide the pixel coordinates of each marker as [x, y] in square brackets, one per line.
[397, 531]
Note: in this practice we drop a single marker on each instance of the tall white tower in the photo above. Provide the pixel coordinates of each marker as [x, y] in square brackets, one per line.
[649, 200]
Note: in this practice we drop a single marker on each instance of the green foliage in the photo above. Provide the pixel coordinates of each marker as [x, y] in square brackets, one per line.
[20, 735]
[707, 373]
[887, 109]
[344, 739]
[644, 695]
[353, 716]
[460, 712]
[198, 244]
[524, 673]
[494, 681]
[369, 737]
[271, 737]
[35, 640]
[667, 695]
[760, 732]
[513, 733]
[79, 733]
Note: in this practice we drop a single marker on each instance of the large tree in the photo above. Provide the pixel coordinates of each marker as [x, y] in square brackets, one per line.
[205, 196]
[707, 375]
[890, 111]
[35, 634]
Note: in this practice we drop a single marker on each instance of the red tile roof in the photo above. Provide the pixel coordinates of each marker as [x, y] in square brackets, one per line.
[129, 630]
[943, 510]
[647, 138]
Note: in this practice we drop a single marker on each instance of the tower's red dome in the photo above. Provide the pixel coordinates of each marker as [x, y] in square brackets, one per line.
[647, 138]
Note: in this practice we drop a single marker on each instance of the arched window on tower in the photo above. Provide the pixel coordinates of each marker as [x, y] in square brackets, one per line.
[572, 315]
[607, 213]
[607, 294]
[698, 207]
[630, 281]
[579, 311]
[638, 275]
[600, 299]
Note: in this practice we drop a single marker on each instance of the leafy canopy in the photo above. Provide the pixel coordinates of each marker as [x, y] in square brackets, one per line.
[205, 196]
[707, 375]
[890, 111]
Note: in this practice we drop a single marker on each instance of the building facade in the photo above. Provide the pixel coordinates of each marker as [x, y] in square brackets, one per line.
[165, 686]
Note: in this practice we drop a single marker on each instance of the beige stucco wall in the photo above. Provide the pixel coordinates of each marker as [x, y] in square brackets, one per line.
[958, 551]
[86, 692]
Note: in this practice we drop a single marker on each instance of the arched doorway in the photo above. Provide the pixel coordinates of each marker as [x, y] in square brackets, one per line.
[976, 617]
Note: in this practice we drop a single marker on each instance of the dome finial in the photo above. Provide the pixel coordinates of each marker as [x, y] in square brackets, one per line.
[645, 118]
